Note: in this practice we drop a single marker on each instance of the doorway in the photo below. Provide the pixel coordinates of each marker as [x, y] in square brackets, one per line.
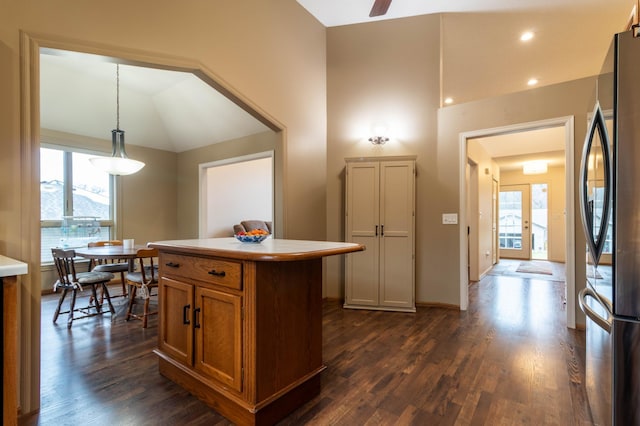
[566, 215]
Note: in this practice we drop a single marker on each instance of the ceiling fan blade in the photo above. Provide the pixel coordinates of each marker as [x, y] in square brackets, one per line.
[379, 8]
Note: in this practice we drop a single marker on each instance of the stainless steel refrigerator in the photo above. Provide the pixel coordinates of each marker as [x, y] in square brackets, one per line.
[610, 209]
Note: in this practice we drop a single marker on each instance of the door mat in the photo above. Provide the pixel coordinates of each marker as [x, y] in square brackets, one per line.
[534, 268]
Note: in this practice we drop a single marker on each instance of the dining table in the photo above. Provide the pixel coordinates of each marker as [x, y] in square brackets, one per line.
[111, 253]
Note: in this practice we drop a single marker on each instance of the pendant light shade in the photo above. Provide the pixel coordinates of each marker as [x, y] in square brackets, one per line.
[119, 163]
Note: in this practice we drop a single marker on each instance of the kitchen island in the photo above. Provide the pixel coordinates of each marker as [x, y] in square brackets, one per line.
[240, 324]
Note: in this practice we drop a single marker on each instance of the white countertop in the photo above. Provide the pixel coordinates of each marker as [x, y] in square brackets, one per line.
[268, 250]
[10, 267]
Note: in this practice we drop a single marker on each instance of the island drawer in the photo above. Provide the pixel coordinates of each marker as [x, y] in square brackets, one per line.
[215, 271]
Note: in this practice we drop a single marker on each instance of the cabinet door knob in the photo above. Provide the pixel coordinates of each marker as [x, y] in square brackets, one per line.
[376, 230]
[216, 273]
[382, 230]
[185, 314]
[172, 265]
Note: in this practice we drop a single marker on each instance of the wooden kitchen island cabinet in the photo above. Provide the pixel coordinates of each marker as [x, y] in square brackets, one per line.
[240, 324]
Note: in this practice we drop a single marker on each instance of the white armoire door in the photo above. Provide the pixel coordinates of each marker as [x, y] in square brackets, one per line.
[363, 218]
[397, 288]
[380, 199]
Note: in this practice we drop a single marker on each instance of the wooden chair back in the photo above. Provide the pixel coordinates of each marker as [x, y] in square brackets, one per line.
[148, 266]
[65, 266]
[104, 243]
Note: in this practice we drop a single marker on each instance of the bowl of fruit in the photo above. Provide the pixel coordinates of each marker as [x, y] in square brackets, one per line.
[253, 236]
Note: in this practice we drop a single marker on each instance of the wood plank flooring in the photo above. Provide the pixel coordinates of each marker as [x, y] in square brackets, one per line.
[508, 360]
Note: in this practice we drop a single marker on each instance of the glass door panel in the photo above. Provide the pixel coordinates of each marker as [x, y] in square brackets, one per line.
[514, 223]
[539, 221]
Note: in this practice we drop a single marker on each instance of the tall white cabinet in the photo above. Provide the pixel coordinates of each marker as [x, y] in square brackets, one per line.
[380, 213]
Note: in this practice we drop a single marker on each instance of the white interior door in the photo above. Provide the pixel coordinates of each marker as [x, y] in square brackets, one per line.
[515, 221]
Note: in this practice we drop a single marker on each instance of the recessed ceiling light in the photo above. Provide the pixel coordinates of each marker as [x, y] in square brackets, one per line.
[448, 101]
[532, 81]
[526, 36]
[534, 167]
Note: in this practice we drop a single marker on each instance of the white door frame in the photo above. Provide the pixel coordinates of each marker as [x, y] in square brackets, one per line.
[568, 124]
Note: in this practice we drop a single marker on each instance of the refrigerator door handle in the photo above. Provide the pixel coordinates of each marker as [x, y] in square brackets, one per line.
[604, 323]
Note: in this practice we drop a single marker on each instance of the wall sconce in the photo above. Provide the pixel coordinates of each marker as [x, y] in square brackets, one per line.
[379, 139]
[534, 167]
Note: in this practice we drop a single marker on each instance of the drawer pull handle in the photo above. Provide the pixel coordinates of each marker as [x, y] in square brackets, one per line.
[216, 273]
[172, 265]
[196, 324]
[185, 314]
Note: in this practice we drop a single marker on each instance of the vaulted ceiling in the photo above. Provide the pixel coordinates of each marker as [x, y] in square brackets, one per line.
[168, 110]
[482, 57]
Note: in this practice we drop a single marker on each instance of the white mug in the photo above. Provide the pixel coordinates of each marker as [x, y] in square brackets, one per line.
[128, 243]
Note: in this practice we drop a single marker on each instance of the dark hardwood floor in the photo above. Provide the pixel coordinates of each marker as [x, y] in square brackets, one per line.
[508, 360]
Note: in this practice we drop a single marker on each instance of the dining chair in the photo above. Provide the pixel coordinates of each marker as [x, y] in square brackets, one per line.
[71, 281]
[141, 282]
[115, 266]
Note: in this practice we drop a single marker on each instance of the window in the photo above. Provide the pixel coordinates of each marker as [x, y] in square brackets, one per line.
[510, 224]
[71, 187]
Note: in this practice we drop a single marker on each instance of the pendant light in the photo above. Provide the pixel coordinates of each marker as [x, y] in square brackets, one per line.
[118, 163]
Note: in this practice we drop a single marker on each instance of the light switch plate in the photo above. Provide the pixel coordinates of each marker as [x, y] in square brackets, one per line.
[450, 218]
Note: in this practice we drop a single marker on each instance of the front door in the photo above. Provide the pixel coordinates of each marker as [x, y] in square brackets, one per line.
[515, 222]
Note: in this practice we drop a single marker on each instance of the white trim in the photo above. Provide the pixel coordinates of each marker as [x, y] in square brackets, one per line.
[566, 122]
[202, 183]
[240, 159]
[570, 257]
[464, 255]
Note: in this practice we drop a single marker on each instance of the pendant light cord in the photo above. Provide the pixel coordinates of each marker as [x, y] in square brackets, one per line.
[117, 96]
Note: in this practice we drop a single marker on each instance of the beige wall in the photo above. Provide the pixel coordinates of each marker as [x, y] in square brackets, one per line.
[270, 54]
[555, 180]
[479, 212]
[147, 199]
[385, 72]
